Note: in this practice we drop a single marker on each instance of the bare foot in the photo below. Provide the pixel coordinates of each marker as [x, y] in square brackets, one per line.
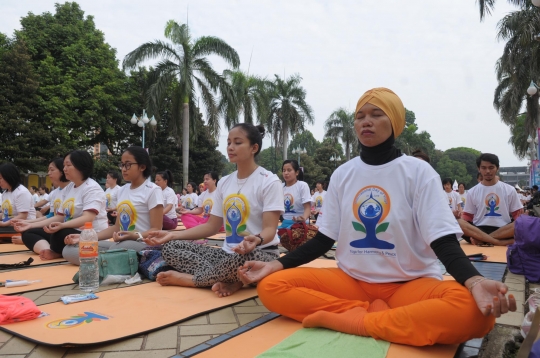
[175, 278]
[226, 289]
[48, 254]
[16, 240]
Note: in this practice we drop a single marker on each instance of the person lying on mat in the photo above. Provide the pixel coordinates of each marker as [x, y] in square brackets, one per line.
[139, 208]
[83, 200]
[192, 218]
[248, 203]
[296, 196]
[17, 201]
[391, 218]
[164, 180]
[59, 180]
[491, 206]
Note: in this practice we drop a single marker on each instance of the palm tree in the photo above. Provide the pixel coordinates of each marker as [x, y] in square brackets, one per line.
[288, 109]
[248, 90]
[340, 125]
[487, 6]
[184, 65]
[518, 137]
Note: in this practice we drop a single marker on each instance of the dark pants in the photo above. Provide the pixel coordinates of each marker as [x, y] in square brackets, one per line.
[7, 230]
[56, 240]
[485, 228]
[111, 218]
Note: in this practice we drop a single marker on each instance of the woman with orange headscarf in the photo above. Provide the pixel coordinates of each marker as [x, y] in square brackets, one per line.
[392, 221]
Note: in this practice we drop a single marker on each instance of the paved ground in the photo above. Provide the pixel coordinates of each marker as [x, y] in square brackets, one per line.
[182, 337]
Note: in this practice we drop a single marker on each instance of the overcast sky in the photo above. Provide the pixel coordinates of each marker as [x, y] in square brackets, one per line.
[436, 55]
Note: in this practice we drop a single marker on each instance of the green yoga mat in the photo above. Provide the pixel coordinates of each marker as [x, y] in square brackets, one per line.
[320, 342]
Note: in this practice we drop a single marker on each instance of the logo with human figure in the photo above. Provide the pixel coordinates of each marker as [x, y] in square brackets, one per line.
[108, 200]
[57, 205]
[127, 215]
[7, 210]
[76, 321]
[288, 201]
[492, 204]
[236, 212]
[207, 207]
[371, 206]
[318, 202]
[68, 208]
[450, 202]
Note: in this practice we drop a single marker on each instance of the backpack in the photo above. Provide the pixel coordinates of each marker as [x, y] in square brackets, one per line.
[523, 256]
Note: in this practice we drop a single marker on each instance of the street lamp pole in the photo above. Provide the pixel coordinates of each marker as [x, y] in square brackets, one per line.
[299, 151]
[142, 121]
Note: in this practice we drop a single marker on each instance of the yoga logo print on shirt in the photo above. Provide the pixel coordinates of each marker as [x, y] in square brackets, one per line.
[318, 202]
[127, 215]
[68, 208]
[76, 321]
[236, 213]
[108, 200]
[7, 210]
[492, 204]
[371, 206]
[450, 201]
[56, 205]
[288, 201]
[207, 207]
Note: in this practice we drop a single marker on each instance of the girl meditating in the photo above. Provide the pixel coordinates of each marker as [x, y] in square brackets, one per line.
[164, 180]
[391, 219]
[17, 201]
[248, 203]
[296, 196]
[192, 218]
[139, 209]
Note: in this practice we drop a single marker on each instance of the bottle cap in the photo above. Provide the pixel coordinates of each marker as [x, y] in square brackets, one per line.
[88, 225]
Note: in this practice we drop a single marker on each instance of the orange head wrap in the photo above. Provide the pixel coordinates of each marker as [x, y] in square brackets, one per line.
[389, 102]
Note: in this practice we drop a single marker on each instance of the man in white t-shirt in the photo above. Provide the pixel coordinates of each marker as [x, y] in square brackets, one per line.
[317, 199]
[490, 208]
[454, 200]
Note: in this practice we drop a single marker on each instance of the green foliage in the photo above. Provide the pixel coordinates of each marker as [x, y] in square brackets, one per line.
[82, 91]
[411, 140]
[228, 167]
[340, 125]
[468, 157]
[448, 168]
[270, 159]
[304, 140]
[329, 149]
[104, 164]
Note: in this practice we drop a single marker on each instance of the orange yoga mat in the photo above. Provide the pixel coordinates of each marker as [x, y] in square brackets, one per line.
[16, 258]
[5, 248]
[121, 313]
[262, 338]
[494, 253]
[218, 236]
[50, 276]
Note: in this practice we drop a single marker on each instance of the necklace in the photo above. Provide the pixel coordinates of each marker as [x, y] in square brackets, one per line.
[244, 183]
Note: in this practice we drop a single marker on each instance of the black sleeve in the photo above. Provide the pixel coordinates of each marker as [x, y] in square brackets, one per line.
[451, 254]
[308, 252]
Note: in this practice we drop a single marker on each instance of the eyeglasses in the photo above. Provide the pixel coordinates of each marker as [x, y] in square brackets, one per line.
[126, 165]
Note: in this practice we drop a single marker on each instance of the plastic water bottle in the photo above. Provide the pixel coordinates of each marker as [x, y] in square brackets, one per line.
[88, 256]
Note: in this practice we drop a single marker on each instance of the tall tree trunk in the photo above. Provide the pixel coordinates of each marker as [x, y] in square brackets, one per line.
[185, 142]
[285, 140]
[348, 150]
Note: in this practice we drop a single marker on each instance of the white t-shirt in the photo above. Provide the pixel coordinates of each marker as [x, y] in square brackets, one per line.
[86, 197]
[385, 226]
[111, 197]
[190, 201]
[169, 197]
[453, 200]
[318, 199]
[35, 198]
[56, 198]
[294, 198]
[206, 202]
[242, 212]
[463, 198]
[492, 205]
[133, 210]
[18, 201]
[45, 196]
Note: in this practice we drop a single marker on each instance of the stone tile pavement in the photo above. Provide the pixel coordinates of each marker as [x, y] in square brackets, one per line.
[182, 337]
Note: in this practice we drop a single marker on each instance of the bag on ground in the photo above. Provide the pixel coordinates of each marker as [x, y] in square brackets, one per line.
[296, 235]
[115, 262]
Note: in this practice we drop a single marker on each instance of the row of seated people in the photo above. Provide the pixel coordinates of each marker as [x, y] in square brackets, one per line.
[388, 283]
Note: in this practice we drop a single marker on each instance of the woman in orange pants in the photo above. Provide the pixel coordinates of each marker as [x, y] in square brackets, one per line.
[392, 223]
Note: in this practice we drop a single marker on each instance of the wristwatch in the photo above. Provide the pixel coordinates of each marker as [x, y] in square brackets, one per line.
[140, 237]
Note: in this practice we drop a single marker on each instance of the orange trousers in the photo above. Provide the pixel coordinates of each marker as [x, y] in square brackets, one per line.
[422, 312]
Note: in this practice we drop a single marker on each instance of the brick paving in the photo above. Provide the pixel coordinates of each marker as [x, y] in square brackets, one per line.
[184, 336]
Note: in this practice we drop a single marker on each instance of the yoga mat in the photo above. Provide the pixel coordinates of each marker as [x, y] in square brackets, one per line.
[121, 313]
[219, 236]
[262, 338]
[16, 258]
[4, 248]
[494, 253]
[50, 276]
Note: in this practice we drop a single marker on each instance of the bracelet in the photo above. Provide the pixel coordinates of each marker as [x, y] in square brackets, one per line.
[260, 237]
[476, 282]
